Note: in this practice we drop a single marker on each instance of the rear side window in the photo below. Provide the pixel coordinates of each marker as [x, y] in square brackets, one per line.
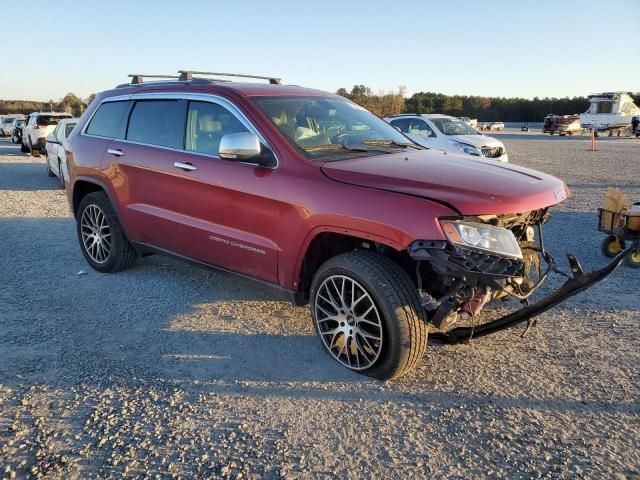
[68, 128]
[49, 120]
[107, 119]
[157, 122]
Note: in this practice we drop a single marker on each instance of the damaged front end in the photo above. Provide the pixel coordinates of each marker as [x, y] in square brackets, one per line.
[488, 258]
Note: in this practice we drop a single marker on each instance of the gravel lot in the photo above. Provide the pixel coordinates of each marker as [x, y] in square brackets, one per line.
[173, 371]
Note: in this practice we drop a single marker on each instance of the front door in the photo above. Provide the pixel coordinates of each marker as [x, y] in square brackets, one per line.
[181, 197]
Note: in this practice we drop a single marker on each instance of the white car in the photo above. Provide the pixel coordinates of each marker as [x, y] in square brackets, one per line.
[54, 150]
[442, 132]
[35, 132]
[6, 124]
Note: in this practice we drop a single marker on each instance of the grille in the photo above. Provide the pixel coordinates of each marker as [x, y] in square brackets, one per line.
[492, 152]
[480, 262]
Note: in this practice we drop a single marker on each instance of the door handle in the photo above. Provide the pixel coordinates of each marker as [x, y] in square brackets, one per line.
[116, 152]
[185, 166]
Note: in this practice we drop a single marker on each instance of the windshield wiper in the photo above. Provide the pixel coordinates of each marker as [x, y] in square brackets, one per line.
[391, 143]
[341, 146]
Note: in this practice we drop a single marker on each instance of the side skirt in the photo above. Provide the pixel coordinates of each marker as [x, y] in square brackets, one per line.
[279, 292]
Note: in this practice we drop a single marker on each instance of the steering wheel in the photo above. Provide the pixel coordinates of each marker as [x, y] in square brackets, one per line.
[341, 138]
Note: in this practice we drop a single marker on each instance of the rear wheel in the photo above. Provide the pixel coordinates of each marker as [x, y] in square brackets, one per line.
[368, 315]
[611, 246]
[102, 240]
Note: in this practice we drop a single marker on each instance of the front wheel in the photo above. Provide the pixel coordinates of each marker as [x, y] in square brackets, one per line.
[49, 171]
[612, 246]
[60, 174]
[368, 315]
[102, 240]
[633, 260]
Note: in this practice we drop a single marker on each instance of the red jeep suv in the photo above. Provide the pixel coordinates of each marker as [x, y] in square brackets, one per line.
[314, 195]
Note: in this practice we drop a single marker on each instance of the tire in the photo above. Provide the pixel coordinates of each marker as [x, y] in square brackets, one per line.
[24, 148]
[611, 246]
[633, 260]
[397, 315]
[121, 254]
[49, 171]
[14, 139]
[35, 152]
[60, 175]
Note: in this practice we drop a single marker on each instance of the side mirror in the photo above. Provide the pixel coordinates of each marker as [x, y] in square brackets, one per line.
[51, 138]
[239, 146]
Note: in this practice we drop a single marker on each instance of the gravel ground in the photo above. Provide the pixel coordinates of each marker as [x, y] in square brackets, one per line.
[172, 371]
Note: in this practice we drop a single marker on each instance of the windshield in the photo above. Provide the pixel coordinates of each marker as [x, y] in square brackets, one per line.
[453, 126]
[324, 127]
[8, 120]
[48, 120]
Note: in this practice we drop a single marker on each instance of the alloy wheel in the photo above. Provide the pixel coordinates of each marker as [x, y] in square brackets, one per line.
[96, 233]
[349, 322]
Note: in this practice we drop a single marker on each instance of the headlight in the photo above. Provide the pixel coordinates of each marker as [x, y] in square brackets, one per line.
[467, 149]
[483, 237]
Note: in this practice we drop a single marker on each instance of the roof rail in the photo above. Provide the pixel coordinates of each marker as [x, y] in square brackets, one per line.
[137, 78]
[186, 75]
[403, 115]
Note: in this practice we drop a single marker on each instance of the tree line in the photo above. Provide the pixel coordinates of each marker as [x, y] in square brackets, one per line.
[70, 103]
[485, 109]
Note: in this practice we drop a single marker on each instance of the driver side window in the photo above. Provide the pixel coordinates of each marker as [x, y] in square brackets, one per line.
[207, 123]
[421, 127]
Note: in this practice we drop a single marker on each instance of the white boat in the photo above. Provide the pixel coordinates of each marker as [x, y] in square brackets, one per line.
[609, 111]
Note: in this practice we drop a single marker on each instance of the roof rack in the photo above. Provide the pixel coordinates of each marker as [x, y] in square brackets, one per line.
[186, 75]
[137, 78]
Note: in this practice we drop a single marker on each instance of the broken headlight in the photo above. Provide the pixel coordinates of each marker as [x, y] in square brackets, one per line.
[484, 237]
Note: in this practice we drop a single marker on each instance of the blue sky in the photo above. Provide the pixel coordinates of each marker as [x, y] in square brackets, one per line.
[491, 48]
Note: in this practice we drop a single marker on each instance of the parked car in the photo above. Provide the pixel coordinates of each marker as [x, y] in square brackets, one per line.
[54, 149]
[18, 125]
[449, 134]
[6, 125]
[472, 122]
[35, 132]
[561, 124]
[315, 196]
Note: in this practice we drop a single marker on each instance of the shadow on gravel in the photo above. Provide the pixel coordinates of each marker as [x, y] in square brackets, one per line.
[9, 149]
[61, 328]
[26, 177]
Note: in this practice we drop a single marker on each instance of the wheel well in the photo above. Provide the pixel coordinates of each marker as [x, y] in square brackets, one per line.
[81, 189]
[327, 245]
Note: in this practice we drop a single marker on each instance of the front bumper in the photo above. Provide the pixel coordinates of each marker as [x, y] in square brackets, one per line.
[578, 282]
[40, 144]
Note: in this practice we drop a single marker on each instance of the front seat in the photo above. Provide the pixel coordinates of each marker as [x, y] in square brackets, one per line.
[208, 135]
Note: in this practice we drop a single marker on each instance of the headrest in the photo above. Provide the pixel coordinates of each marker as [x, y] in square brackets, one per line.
[280, 120]
[207, 124]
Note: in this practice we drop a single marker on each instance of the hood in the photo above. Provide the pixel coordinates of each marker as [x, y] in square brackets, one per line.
[470, 186]
[477, 140]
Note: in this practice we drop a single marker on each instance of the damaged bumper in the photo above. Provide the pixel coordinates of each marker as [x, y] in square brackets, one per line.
[578, 282]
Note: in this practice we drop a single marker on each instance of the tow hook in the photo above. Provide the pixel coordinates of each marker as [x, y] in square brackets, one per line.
[578, 282]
